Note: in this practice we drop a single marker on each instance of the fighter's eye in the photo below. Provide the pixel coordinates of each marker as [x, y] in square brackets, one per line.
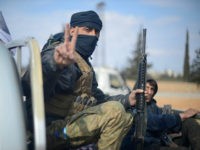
[88, 29]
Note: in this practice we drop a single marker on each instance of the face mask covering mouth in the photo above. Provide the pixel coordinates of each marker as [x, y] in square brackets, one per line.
[85, 45]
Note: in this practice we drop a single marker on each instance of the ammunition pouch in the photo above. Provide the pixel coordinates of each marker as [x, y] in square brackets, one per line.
[82, 102]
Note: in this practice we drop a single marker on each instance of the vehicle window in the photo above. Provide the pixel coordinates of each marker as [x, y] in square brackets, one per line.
[115, 81]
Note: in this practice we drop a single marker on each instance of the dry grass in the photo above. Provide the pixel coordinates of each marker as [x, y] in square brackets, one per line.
[177, 86]
[181, 95]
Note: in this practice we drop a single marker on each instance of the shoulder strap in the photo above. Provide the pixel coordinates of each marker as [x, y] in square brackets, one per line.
[84, 84]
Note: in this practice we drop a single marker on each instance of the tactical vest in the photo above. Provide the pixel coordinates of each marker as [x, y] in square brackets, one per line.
[66, 105]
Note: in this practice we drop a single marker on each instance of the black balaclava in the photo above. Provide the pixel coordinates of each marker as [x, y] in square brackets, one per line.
[85, 44]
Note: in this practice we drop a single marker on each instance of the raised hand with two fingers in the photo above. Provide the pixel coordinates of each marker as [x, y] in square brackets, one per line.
[65, 52]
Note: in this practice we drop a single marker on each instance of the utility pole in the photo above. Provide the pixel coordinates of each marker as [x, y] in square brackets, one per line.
[101, 8]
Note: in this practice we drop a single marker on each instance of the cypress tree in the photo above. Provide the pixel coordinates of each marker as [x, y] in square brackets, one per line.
[186, 67]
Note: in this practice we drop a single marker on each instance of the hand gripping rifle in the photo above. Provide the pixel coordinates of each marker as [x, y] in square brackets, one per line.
[140, 118]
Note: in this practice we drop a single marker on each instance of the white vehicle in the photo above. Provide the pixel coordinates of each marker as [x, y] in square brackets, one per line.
[110, 81]
[13, 127]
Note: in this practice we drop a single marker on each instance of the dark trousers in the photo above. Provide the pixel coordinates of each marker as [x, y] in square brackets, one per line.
[190, 139]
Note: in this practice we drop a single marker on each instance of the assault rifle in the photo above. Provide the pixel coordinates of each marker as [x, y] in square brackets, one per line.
[140, 118]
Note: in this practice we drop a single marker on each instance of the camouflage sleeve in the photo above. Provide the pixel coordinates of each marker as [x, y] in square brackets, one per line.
[123, 99]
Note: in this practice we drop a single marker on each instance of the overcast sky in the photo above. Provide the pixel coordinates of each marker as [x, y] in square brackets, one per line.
[166, 22]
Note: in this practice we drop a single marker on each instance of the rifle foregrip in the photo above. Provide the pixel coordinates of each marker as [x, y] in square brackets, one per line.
[140, 104]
